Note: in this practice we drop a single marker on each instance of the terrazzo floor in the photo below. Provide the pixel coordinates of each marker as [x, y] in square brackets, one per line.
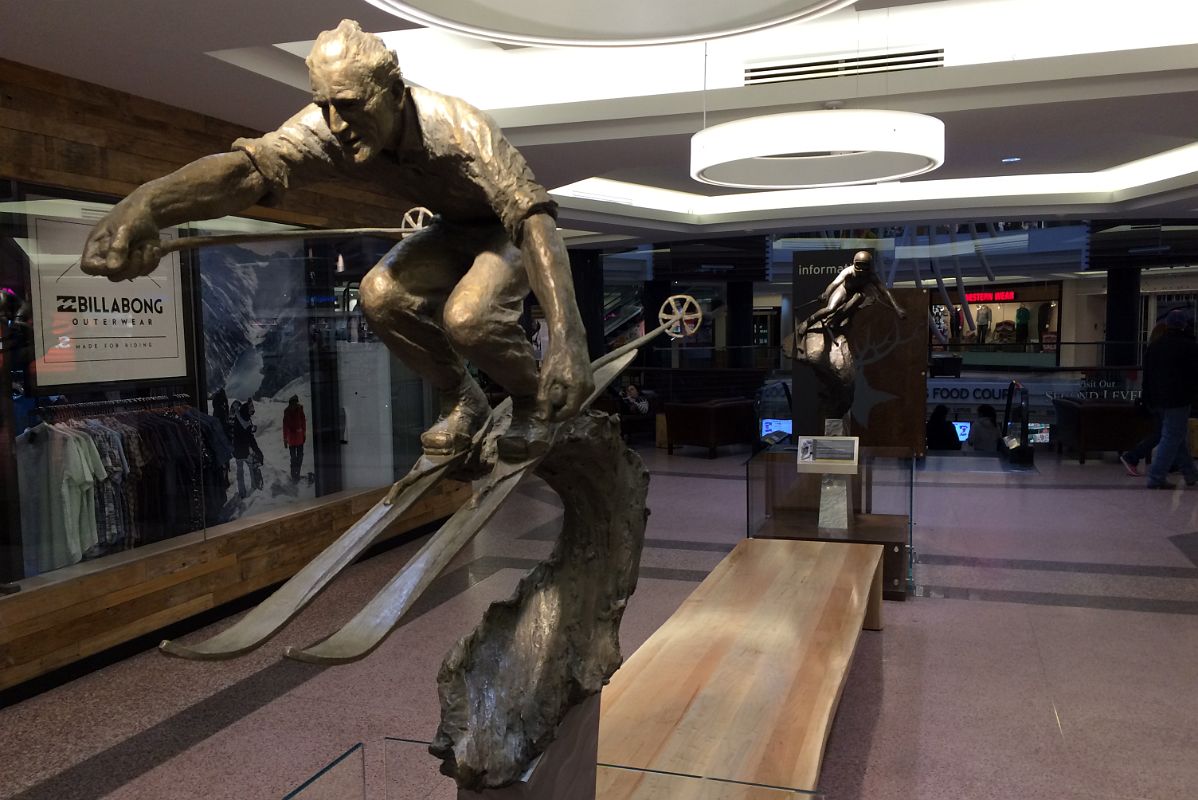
[1050, 651]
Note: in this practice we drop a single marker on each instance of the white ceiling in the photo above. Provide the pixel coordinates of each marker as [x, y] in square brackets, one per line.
[1064, 111]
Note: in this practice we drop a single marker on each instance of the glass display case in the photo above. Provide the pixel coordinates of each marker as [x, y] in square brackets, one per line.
[411, 773]
[783, 502]
[344, 778]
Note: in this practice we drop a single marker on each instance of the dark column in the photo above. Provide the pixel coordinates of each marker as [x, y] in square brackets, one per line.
[586, 267]
[1122, 316]
[740, 323]
[325, 418]
[10, 516]
[652, 296]
[15, 353]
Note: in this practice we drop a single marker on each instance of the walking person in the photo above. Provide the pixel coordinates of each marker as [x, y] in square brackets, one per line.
[1131, 458]
[295, 433]
[1170, 383]
[1143, 449]
[245, 447]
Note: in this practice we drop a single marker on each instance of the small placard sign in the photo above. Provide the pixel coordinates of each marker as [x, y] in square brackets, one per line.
[836, 455]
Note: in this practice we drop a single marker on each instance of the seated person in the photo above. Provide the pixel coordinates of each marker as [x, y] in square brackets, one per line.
[940, 432]
[983, 436]
[631, 401]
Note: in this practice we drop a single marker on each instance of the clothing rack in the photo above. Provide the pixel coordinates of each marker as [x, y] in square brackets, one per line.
[127, 404]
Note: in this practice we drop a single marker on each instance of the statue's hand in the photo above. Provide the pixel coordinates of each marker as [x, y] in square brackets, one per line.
[566, 381]
[123, 245]
[901, 314]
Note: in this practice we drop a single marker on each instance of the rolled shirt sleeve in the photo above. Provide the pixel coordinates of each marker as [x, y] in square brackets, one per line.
[302, 150]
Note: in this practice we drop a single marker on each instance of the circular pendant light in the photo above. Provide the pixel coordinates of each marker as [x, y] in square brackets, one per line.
[613, 23]
[808, 149]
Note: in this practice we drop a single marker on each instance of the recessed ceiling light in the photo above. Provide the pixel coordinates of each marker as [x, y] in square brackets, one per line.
[574, 23]
[1012, 160]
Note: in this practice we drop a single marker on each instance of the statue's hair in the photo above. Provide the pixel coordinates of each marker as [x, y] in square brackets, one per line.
[361, 47]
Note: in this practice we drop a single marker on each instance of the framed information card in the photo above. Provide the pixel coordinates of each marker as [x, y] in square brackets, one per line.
[836, 455]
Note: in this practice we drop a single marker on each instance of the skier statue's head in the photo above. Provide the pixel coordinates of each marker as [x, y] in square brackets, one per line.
[863, 260]
[358, 86]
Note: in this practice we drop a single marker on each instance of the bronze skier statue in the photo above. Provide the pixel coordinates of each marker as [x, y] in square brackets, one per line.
[453, 290]
[821, 340]
[856, 285]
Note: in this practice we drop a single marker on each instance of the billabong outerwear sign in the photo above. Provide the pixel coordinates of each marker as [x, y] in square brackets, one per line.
[84, 304]
[88, 329]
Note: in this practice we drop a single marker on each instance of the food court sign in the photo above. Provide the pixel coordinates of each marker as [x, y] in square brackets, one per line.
[1113, 386]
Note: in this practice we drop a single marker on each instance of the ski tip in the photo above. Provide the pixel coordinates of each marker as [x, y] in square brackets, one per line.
[198, 652]
[316, 655]
[173, 648]
[300, 654]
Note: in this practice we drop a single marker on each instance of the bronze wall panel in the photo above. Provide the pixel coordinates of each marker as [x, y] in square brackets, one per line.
[893, 354]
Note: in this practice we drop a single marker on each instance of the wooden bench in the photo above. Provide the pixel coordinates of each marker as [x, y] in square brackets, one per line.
[741, 684]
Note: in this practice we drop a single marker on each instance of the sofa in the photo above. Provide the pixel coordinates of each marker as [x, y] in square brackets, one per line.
[710, 424]
[1097, 425]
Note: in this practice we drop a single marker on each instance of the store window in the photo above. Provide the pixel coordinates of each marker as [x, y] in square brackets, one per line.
[1015, 325]
[235, 381]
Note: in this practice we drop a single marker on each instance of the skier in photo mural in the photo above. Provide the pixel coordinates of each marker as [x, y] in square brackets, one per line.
[295, 433]
[220, 410]
[245, 448]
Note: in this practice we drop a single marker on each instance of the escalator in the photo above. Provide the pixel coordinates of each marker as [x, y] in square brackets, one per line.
[623, 312]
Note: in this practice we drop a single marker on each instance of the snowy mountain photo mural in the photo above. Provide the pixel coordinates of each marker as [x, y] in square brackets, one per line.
[256, 348]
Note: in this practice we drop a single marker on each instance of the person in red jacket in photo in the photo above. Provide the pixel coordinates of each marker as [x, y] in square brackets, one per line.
[295, 431]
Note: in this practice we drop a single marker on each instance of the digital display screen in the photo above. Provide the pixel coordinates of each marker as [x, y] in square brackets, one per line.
[962, 430]
[769, 426]
[1038, 432]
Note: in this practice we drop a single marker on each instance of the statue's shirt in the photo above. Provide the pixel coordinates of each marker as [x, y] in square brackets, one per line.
[452, 159]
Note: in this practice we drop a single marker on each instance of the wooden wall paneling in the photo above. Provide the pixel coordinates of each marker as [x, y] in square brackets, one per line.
[88, 608]
[67, 133]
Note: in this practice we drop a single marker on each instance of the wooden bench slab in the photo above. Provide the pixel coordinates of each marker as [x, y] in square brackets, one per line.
[742, 682]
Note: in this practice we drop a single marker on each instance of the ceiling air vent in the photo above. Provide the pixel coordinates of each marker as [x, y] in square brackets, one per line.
[841, 67]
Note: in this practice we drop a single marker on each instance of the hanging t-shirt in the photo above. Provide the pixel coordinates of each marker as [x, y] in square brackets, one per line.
[55, 478]
[83, 469]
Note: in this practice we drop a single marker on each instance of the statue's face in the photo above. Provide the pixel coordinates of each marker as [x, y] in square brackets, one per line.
[358, 111]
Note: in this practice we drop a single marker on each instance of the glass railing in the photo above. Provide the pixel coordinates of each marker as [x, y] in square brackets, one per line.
[1043, 355]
